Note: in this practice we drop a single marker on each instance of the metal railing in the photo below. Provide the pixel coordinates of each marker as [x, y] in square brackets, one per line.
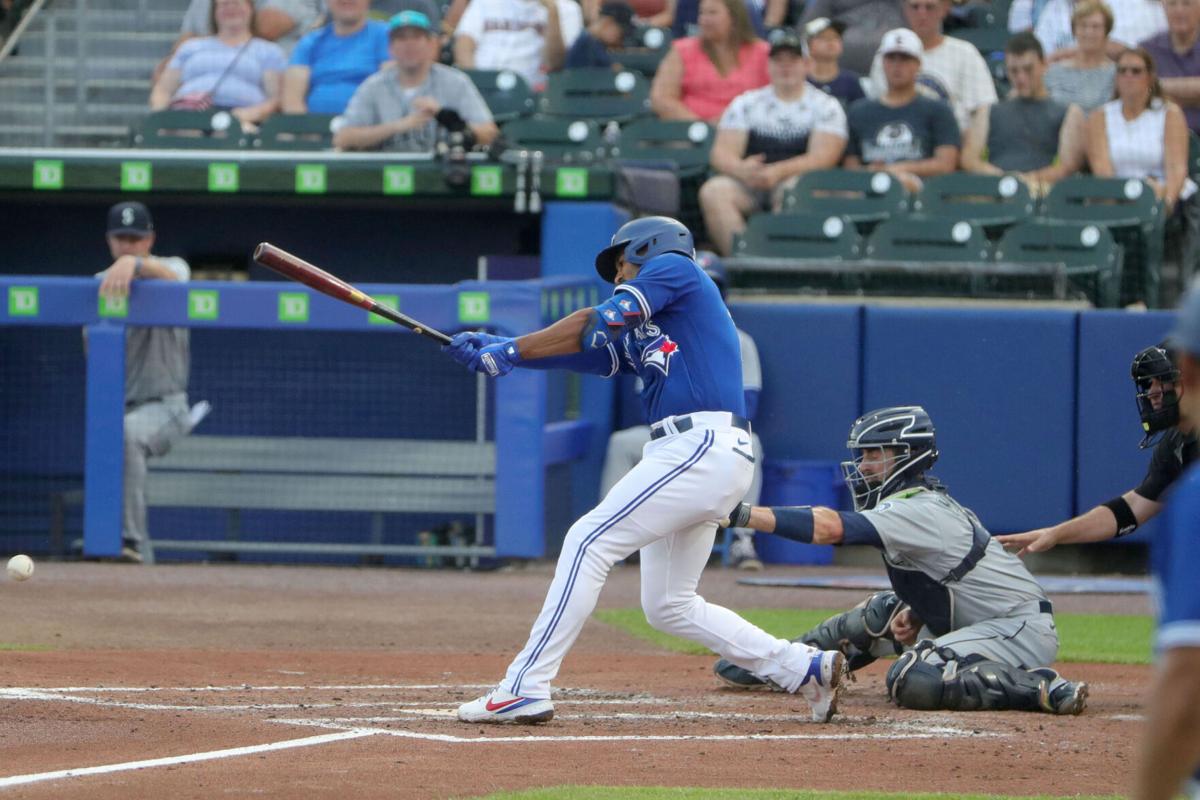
[27, 11]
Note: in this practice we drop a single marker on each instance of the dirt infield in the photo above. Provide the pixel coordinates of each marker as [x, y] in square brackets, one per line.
[342, 683]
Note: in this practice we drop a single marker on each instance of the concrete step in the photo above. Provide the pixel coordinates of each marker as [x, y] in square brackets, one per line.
[90, 136]
[114, 45]
[94, 114]
[178, 6]
[66, 91]
[34, 67]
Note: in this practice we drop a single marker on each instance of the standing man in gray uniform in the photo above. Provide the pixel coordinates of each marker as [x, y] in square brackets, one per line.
[157, 361]
[974, 630]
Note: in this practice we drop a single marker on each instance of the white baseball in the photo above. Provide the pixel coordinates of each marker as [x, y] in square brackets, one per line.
[20, 568]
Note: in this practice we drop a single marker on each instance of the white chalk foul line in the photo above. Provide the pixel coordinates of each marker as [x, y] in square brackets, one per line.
[233, 752]
[908, 733]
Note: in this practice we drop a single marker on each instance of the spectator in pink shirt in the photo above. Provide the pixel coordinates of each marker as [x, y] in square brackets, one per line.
[702, 74]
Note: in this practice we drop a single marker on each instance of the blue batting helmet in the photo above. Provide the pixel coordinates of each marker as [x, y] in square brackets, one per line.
[640, 240]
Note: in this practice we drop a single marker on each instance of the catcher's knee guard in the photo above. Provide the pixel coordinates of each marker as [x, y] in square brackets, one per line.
[856, 632]
[928, 679]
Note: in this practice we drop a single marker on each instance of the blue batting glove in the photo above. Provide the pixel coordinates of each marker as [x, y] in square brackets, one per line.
[462, 348]
[482, 340]
[496, 359]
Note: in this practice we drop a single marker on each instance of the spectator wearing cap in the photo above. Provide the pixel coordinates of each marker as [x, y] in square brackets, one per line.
[902, 132]
[157, 361]
[952, 70]
[1170, 740]
[701, 75]
[865, 21]
[1177, 54]
[330, 63]
[766, 140]
[232, 69]
[604, 36]
[529, 37]
[397, 107]
[823, 37]
[1030, 133]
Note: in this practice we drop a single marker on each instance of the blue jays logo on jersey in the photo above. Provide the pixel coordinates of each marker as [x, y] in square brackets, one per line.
[657, 353]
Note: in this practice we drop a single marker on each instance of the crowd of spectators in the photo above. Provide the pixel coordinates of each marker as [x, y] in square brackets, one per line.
[1110, 87]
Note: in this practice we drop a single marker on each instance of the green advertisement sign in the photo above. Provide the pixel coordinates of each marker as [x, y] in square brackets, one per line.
[47, 174]
[223, 177]
[136, 176]
[399, 180]
[474, 307]
[311, 179]
[392, 300]
[203, 304]
[293, 307]
[571, 182]
[486, 181]
[112, 307]
[22, 301]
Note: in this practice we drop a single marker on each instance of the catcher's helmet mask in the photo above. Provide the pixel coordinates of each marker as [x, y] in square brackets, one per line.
[1153, 364]
[642, 239]
[905, 430]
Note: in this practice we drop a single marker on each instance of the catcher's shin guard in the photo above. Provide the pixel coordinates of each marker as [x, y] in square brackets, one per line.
[858, 632]
[928, 679]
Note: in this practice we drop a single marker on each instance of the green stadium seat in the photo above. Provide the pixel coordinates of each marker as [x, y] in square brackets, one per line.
[795, 251]
[297, 132]
[683, 145]
[1088, 251]
[993, 202]
[570, 141]
[599, 94]
[911, 246]
[506, 93]
[866, 198]
[645, 49]
[191, 130]
[1129, 209]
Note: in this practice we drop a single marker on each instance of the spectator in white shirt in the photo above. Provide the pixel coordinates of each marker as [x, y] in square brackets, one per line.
[952, 70]
[529, 37]
[766, 139]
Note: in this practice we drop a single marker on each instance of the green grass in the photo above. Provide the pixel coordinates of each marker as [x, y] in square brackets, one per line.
[23, 648]
[1100, 638]
[667, 793]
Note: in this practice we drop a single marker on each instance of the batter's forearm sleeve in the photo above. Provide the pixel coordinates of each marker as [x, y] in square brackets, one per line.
[609, 320]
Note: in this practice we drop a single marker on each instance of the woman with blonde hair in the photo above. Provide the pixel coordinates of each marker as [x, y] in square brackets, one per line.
[702, 74]
[232, 69]
[1086, 77]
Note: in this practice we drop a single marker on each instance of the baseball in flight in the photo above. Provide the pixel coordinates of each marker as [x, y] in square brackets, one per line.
[20, 568]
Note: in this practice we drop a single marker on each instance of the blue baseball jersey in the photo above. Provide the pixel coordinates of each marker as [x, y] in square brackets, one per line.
[686, 348]
[1176, 552]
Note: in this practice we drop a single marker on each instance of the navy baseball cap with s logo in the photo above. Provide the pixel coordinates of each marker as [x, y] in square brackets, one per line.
[130, 219]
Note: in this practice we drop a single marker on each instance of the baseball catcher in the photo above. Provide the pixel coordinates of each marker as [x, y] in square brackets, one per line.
[972, 628]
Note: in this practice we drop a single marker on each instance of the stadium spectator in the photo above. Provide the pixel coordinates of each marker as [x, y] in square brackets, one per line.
[625, 446]
[330, 63]
[766, 140]
[233, 69]
[1170, 749]
[903, 132]
[1086, 77]
[1177, 54]
[865, 21]
[701, 75]
[823, 37]
[683, 16]
[529, 37]
[1133, 21]
[157, 361]
[604, 36]
[1139, 134]
[1031, 134]
[280, 21]
[396, 108]
[952, 70]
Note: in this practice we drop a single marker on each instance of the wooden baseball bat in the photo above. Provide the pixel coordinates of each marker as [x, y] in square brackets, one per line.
[299, 270]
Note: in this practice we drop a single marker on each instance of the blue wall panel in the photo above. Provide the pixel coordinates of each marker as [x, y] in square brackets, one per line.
[1000, 386]
[810, 363]
[1109, 431]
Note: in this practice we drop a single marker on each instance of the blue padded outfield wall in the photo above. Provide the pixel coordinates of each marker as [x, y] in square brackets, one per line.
[1034, 407]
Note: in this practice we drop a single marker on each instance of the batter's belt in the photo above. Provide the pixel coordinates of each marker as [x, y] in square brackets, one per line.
[700, 419]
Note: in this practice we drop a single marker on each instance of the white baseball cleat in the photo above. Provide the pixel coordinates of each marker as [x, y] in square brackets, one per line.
[823, 683]
[503, 707]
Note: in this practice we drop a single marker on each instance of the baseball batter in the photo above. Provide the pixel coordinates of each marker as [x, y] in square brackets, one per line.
[1158, 394]
[666, 323]
[979, 628]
